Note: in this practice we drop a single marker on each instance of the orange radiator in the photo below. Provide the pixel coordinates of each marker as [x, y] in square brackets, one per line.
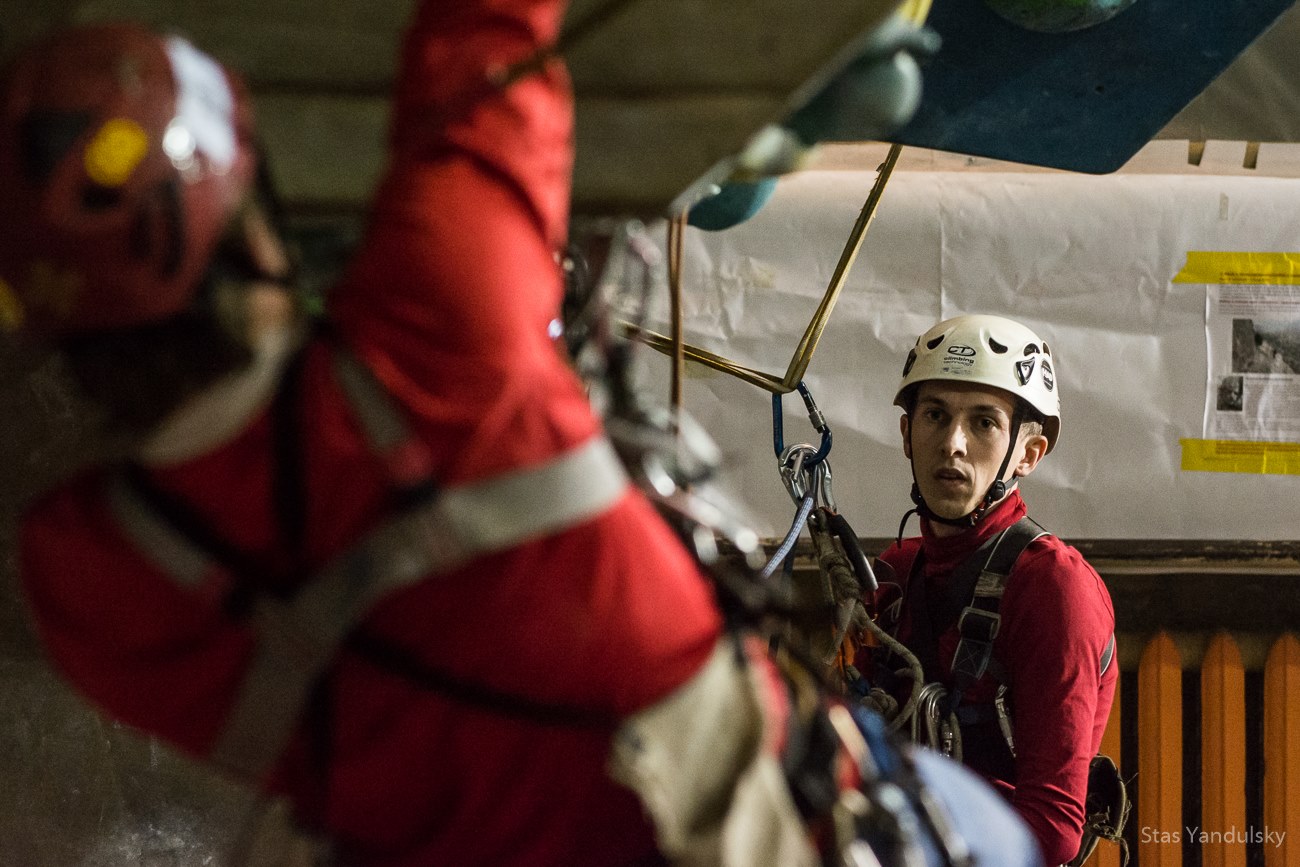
[1227, 795]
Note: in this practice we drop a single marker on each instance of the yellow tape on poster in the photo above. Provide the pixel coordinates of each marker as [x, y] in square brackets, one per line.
[1239, 456]
[1261, 269]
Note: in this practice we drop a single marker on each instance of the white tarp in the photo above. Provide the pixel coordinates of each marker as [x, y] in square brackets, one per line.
[1086, 261]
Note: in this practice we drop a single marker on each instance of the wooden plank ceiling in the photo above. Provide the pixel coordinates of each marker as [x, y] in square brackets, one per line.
[666, 88]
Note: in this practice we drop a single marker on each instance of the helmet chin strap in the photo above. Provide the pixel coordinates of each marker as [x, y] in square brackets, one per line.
[996, 491]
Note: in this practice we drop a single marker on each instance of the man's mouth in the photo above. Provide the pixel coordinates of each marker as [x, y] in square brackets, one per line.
[950, 476]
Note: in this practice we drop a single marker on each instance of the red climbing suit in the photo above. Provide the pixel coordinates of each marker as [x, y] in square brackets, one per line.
[447, 302]
[1056, 621]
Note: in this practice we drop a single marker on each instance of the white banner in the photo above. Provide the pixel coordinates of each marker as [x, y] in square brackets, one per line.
[1087, 262]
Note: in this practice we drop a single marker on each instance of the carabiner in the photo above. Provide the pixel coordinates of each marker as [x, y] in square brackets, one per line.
[822, 485]
[796, 474]
[814, 416]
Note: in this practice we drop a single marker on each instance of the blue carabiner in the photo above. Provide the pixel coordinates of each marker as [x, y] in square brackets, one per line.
[814, 416]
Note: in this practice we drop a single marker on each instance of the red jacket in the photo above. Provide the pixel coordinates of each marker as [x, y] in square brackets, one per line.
[1056, 621]
[448, 302]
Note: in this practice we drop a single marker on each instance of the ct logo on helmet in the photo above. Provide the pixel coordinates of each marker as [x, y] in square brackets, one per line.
[960, 350]
[1049, 378]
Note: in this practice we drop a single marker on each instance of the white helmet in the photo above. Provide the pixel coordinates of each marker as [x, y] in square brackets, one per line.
[992, 351]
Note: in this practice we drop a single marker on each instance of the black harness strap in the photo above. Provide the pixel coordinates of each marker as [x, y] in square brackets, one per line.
[929, 621]
[246, 574]
[395, 660]
[289, 474]
[980, 620]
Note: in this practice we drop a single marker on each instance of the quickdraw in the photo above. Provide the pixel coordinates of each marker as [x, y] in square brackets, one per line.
[845, 576]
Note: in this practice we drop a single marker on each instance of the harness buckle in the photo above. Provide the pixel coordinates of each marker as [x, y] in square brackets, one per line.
[1004, 717]
[983, 625]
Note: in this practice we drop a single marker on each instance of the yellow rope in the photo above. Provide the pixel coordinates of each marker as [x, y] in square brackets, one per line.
[812, 334]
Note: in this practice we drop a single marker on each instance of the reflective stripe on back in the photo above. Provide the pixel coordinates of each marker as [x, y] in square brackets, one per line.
[153, 537]
[300, 637]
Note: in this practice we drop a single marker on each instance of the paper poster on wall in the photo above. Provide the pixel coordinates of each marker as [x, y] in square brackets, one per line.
[1252, 401]
[1086, 262]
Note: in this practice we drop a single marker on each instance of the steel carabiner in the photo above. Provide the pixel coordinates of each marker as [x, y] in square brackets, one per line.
[796, 470]
[821, 473]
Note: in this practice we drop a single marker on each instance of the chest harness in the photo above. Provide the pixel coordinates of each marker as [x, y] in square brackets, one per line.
[426, 531]
[939, 717]
[972, 599]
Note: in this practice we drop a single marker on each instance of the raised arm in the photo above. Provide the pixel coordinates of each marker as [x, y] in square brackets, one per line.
[451, 293]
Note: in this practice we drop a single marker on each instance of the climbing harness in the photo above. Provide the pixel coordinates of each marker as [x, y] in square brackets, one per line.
[431, 531]
[937, 715]
[933, 715]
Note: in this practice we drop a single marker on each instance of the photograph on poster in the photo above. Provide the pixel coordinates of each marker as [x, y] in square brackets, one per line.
[1253, 335]
[1265, 346]
[1229, 400]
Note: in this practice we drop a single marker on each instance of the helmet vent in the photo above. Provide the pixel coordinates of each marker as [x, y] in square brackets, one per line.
[1031, 349]
[911, 360]
[45, 137]
[1046, 351]
[997, 347]
[934, 342]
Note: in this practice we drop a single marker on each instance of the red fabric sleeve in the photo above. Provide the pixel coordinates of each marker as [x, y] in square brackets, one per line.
[1057, 619]
[450, 295]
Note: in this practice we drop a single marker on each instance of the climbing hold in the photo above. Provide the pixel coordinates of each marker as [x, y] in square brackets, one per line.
[735, 203]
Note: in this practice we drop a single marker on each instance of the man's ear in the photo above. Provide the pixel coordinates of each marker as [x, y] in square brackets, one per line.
[1033, 449]
[904, 427]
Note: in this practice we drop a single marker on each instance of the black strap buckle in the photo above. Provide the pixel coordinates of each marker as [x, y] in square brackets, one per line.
[976, 624]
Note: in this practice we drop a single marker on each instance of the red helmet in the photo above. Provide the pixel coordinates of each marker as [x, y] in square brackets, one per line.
[123, 156]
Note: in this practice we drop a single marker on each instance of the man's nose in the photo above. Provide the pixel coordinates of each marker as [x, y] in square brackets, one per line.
[955, 439]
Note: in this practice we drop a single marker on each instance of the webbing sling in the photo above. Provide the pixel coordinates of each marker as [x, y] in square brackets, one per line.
[299, 637]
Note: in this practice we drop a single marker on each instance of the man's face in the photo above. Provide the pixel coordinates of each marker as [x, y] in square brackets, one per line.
[959, 434]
